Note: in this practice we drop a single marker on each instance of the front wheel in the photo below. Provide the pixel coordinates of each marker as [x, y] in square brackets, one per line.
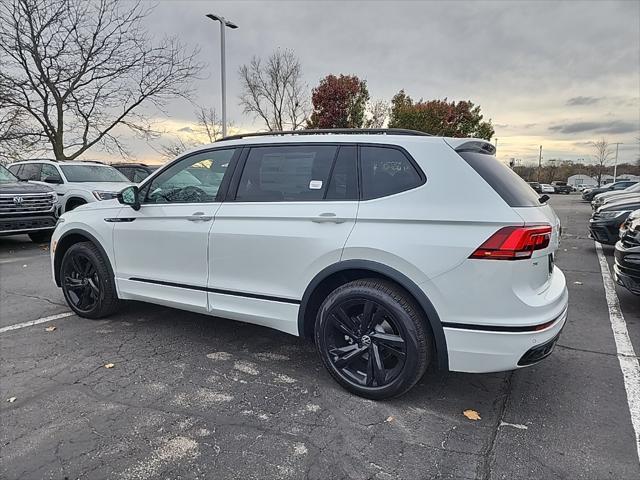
[373, 339]
[87, 285]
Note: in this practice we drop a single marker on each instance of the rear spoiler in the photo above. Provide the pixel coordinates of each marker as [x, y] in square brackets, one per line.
[469, 145]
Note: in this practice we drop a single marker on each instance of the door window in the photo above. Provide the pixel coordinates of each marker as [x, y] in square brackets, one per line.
[31, 171]
[286, 173]
[50, 171]
[343, 184]
[195, 179]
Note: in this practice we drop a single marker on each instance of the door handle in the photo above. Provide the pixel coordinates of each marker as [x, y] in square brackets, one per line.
[327, 217]
[199, 217]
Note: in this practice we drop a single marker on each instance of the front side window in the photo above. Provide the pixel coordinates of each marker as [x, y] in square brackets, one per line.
[286, 173]
[195, 179]
[92, 173]
[31, 171]
[386, 171]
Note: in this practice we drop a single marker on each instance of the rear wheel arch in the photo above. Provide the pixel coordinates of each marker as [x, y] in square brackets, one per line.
[71, 238]
[343, 272]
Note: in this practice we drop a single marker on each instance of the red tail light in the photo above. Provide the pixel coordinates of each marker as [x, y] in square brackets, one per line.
[514, 243]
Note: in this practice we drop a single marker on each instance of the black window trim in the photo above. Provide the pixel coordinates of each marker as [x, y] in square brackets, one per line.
[224, 185]
[412, 161]
[232, 191]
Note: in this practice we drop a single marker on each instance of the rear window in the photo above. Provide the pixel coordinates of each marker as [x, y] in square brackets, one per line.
[507, 183]
[92, 173]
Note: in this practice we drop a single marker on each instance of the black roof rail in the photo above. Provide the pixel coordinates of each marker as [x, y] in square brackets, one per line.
[329, 131]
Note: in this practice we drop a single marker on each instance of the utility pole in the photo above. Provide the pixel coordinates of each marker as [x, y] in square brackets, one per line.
[496, 145]
[539, 163]
[615, 168]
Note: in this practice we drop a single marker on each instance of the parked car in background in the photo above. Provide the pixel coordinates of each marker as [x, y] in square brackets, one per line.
[136, 172]
[536, 186]
[590, 193]
[605, 223]
[583, 186]
[26, 208]
[76, 183]
[546, 188]
[562, 187]
[614, 195]
[291, 231]
[626, 269]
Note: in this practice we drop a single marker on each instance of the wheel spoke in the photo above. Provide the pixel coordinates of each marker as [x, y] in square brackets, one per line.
[387, 339]
[346, 355]
[72, 283]
[342, 325]
[77, 267]
[370, 371]
[378, 367]
[88, 267]
[367, 316]
[94, 287]
[399, 354]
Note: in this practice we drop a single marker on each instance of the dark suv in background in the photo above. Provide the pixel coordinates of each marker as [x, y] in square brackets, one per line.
[562, 187]
[26, 208]
[136, 172]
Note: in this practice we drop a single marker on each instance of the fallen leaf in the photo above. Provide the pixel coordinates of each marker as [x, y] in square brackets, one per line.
[390, 419]
[577, 283]
[50, 328]
[471, 415]
[109, 365]
[11, 400]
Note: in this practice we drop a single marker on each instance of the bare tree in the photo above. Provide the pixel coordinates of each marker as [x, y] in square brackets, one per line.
[602, 155]
[207, 130]
[273, 91]
[79, 71]
[377, 113]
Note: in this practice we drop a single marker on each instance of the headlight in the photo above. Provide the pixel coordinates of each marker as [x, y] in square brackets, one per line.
[54, 196]
[100, 195]
[613, 213]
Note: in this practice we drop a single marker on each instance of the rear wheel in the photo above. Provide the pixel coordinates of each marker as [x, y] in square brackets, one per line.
[373, 339]
[87, 285]
[40, 237]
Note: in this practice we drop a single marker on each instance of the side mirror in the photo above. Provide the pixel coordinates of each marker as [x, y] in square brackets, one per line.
[130, 196]
[53, 179]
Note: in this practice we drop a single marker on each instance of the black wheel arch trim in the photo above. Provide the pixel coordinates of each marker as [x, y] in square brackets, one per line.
[57, 259]
[405, 282]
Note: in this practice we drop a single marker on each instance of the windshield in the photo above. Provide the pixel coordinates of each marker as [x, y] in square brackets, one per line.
[92, 173]
[6, 176]
[633, 188]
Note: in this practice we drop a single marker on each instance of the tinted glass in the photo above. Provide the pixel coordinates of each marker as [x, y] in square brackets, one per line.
[286, 173]
[386, 171]
[49, 171]
[195, 179]
[92, 173]
[139, 174]
[31, 171]
[6, 176]
[343, 184]
[126, 171]
[507, 183]
[15, 169]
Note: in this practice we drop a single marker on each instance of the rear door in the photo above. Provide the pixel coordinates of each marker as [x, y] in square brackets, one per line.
[289, 216]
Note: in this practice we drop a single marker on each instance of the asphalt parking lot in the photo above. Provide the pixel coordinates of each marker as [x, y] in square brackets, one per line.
[191, 396]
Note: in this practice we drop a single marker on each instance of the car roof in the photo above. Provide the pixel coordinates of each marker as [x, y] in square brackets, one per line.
[65, 162]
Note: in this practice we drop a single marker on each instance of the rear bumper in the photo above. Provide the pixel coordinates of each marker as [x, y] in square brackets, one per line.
[476, 351]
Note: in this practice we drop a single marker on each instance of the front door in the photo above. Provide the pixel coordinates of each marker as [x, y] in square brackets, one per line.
[161, 249]
[293, 211]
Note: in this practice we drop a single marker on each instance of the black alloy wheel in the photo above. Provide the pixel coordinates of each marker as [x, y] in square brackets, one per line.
[86, 282]
[372, 338]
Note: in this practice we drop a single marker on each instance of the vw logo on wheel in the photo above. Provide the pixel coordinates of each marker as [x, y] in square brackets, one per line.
[18, 200]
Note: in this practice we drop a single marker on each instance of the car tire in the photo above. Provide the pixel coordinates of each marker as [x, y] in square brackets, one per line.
[40, 237]
[87, 284]
[373, 338]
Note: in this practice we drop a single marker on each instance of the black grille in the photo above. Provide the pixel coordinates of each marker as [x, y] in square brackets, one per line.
[26, 223]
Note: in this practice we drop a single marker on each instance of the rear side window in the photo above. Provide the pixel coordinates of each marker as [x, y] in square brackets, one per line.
[286, 173]
[507, 183]
[386, 171]
[343, 184]
[15, 169]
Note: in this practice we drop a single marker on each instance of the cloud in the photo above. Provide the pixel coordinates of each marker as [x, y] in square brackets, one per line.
[581, 101]
[615, 126]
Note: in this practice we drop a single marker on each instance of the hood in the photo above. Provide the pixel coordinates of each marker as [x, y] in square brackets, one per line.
[24, 188]
[628, 204]
[102, 205]
[102, 186]
[623, 197]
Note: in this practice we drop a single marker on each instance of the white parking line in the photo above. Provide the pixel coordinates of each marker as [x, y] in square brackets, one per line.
[31, 323]
[626, 355]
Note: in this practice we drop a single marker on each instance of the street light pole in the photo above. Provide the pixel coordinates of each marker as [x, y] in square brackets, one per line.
[615, 167]
[223, 23]
[539, 163]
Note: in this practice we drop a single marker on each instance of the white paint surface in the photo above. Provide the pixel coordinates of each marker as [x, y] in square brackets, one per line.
[31, 323]
[626, 355]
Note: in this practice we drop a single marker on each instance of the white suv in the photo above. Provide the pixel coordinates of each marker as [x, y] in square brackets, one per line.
[76, 183]
[355, 239]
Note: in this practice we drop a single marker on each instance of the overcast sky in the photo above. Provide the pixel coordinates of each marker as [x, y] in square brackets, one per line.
[557, 74]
